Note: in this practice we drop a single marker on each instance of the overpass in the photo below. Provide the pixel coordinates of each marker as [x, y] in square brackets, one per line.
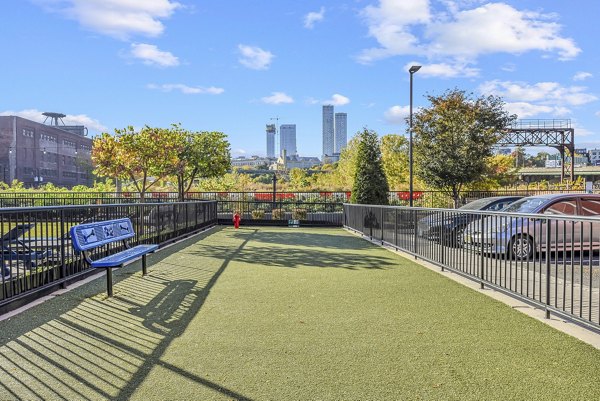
[533, 174]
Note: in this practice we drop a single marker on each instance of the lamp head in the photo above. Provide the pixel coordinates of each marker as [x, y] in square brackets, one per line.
[414, 69]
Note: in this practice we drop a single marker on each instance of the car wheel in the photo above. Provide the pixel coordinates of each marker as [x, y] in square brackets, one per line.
[458, 237]
[521, 247]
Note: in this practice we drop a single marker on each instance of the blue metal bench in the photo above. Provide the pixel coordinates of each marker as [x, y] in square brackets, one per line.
[92, 235]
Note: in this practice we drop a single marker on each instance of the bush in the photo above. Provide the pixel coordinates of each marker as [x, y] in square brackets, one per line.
[258, 214]
[299, 214]
[278, 214]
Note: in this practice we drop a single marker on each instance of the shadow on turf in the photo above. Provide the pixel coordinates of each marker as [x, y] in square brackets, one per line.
[305, 250]
[296, 236]
[98, 344]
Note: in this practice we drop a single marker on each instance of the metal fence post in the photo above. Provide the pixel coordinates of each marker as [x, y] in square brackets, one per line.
[382, 225]
[548, 233]
[414, 227]
[482, 258]
[396, 228]
[63, 267]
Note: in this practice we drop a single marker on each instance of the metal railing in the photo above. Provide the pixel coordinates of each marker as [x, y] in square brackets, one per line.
[541, 123]
[36, 253]
[428, 198]
[282, 213]
[550, 261]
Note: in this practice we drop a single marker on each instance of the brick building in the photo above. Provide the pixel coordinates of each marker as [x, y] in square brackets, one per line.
[36, 154]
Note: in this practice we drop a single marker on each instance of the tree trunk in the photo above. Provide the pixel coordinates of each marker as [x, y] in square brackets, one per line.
[456, 198]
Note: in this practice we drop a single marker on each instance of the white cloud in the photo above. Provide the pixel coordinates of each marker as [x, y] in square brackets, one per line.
[444, 70]
[116, 18]
[187, 90]
[312, 17]
[597, 113]
[581, 76]
[152, 55]
[238, 152]
[277, 98]
[545, 93]
[311, 100]
[254, 57]
[413, 27]
[337, 100]
[397, 114]
[498, 27]
[526, 110]
[390, 23]
[70, 119]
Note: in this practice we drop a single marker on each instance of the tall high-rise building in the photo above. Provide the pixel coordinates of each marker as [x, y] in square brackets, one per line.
[341, 132]
[271, 140]
[287, 139]
[328, 131]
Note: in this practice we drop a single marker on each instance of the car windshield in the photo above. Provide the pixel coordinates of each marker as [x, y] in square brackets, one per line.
[476, 204]
[525, 205]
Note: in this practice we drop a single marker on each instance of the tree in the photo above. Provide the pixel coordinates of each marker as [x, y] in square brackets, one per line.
[202, 155]
[394, 155]
[500, 171]
[370, 184]
[539, 160]
[454, 137]
[299, 179]
[519, 157]
[137, 155]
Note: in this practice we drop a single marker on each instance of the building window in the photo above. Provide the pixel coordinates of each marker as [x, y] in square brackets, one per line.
[28, 132]
[48, 138]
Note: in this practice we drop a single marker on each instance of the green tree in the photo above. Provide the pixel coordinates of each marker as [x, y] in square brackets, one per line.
[453, 138]
[144, 157]
[370, 184]
[202, 155]
[394, 155]
[539, 160]
[299, 179]
[500, 172]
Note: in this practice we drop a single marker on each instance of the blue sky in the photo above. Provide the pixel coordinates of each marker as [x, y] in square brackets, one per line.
[232, 65]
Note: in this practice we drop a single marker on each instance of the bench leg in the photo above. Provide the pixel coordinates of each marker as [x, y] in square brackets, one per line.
[144, 269]
[109, 284]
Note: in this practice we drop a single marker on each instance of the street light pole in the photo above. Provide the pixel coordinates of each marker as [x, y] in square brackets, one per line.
[411, 70]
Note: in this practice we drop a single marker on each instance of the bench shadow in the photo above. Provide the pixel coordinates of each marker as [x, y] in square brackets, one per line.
[85, 346]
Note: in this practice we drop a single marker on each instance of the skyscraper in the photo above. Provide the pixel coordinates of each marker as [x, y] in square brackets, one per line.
[328, 131]
[287, 139]
[270, 140]
[341, 132]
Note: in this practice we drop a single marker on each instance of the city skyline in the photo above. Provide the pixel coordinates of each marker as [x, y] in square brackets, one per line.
[157, 63]
[287, 139]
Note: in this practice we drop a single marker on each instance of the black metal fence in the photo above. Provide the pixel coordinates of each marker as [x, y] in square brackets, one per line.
[37, 256]
[399, 198]
[282, 213]
[551, 261]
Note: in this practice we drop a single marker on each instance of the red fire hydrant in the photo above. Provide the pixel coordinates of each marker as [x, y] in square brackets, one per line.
[236, 220]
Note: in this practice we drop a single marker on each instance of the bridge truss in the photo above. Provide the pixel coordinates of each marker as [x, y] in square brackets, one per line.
[557, 134]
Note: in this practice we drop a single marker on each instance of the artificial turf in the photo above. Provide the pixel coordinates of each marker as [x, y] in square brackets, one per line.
[287, 314]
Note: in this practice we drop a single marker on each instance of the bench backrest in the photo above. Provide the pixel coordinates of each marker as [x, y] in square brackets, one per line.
[92, 235]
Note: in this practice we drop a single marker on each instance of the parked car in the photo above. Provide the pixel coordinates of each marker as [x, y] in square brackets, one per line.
[520, 237]
[448, 226]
